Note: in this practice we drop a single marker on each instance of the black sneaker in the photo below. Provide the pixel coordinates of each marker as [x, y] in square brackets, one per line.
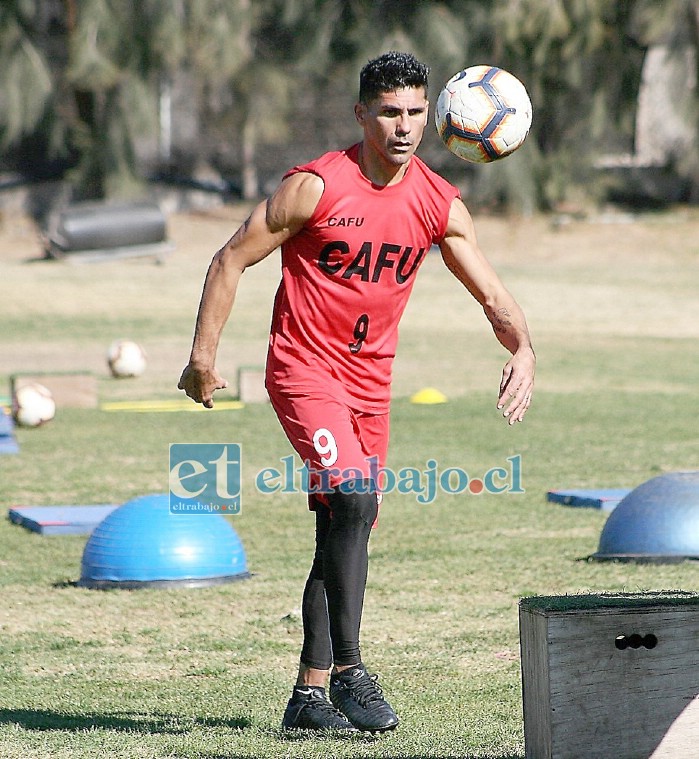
[358, 696]
[309, 709]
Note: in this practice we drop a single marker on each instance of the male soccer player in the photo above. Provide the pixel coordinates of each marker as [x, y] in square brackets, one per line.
[354, 226]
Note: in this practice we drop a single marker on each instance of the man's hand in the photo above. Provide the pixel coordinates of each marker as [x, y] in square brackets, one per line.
[517, 385]
[199, 384]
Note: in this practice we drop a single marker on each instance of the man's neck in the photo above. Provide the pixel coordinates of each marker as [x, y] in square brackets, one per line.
[379, 172]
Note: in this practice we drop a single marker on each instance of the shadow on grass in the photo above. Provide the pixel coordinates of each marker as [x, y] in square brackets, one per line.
[43, 719]
[341, 740]
[135, 722]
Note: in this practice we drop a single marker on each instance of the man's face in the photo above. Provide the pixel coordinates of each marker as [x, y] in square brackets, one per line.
[393, 124]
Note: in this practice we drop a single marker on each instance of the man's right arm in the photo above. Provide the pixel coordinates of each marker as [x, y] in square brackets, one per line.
[271, 223]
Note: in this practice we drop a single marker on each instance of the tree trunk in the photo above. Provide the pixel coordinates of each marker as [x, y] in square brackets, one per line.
[251, 187]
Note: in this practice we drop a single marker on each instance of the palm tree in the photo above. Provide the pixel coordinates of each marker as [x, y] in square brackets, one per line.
[671, 130]
[98, 94]
[92, 78]
[582, 68]
[25, 78]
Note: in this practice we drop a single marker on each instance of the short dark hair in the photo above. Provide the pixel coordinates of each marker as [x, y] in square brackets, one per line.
[390, 72]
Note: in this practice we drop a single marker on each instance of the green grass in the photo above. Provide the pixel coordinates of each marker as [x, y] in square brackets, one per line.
[205, 673]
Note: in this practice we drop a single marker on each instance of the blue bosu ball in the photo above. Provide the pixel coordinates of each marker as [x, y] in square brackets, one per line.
[142, 544]
[657, 521]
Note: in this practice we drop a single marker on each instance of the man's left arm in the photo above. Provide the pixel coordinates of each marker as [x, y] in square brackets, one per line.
[467, 263]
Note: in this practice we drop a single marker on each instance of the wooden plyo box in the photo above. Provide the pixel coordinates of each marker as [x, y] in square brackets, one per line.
[610, 677]
[251, 384]
[69, 389]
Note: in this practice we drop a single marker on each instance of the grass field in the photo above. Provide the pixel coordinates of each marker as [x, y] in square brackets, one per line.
[205, 673]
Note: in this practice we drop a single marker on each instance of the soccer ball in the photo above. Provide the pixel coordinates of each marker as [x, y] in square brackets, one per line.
[483, 114]
[126, 359]
[32, 405]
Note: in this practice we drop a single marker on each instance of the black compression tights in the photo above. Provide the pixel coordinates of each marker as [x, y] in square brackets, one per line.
[334, 592]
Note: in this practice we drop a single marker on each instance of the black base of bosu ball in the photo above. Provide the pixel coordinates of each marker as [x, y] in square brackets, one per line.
[656, 522]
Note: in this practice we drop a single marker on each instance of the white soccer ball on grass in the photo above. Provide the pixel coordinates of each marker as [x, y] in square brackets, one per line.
[126, 359]
[33, 405]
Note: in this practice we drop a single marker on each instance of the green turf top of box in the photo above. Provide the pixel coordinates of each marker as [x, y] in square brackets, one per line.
[586, 601]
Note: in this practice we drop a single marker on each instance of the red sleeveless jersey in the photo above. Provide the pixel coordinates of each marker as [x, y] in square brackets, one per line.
[347, 276]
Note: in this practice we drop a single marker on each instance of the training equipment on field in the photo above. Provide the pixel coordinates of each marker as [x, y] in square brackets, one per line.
[8, 441]
[428, 396]
[60, 520]
[610, 676]
[251, 384]
[168, 405]
[142, 544]
[69, 389]
[606, 499]
[98, 231]
[126, 358]
[483, 113]
[657, 521]
[33, 405]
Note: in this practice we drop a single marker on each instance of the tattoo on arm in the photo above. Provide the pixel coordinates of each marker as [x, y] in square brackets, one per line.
[241, 230]
[501, 320]
[451, 266]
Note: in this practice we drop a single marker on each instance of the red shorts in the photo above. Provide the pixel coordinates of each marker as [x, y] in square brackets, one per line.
[335, 442]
